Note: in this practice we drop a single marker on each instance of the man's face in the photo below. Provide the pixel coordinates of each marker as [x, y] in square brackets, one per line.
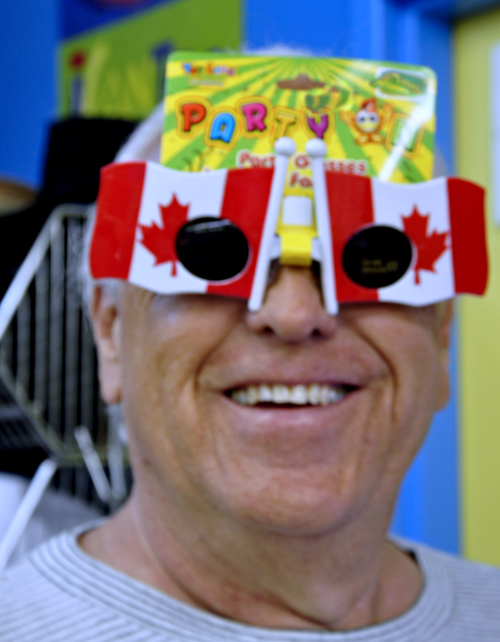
[183, 367]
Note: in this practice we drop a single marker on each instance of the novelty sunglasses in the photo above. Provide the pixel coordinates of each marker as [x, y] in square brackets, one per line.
[217, 232]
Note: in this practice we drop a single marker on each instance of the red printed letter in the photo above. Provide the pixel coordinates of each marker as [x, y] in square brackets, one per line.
[192, 114]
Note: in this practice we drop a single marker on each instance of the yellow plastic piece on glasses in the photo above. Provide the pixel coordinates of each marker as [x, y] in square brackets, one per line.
[297, 231]
[296, 245]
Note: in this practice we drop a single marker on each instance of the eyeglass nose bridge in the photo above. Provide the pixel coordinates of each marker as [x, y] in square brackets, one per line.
[297, 246]
[296, 231]
[297, 242]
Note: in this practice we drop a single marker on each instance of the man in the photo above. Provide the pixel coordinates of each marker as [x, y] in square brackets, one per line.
[267, 448]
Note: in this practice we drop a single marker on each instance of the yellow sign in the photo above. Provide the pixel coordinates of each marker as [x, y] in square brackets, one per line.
[377, 119]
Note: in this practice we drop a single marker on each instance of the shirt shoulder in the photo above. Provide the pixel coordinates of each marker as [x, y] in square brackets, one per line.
[27, 600]
[475, 592]
[43, 598]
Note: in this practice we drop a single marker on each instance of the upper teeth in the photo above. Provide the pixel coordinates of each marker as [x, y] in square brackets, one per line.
[314, 394]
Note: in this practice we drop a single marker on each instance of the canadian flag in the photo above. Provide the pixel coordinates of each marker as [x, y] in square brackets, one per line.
[141, 206]
[443, 219]
[429, 236]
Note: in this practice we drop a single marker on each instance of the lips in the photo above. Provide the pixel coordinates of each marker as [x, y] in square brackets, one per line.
[269, 394]
[291, 377]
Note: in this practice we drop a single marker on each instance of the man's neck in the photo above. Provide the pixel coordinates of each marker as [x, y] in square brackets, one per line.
[334, 582]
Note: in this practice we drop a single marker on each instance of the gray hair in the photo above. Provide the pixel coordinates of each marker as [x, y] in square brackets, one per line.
[143, 144]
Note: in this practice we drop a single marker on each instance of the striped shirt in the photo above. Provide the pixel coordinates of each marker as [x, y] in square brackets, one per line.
[60, 594]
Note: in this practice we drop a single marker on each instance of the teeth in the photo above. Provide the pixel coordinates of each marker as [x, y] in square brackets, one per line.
[265, 393]
[280, 394]
[300, 395]
[252, 395]
[314, 393]
[324, 395]
[334, 394]
[240, 396]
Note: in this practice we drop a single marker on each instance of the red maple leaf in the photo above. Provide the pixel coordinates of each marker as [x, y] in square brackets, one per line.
[160, 241]
[429, 246]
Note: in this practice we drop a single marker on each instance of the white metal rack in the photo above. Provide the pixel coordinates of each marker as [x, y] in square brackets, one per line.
[49, 395]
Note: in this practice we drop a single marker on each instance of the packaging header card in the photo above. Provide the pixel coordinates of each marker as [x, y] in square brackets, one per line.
[225, 111]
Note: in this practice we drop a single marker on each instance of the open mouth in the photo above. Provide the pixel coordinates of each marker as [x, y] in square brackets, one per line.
[268, 395]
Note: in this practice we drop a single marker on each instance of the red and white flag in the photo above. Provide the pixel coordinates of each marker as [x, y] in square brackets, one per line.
[443, 219]
[141, 206]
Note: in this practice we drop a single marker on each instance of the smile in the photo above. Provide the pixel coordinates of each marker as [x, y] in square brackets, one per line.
[314, 394]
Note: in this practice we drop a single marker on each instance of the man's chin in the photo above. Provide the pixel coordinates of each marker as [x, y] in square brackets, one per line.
[289, 505]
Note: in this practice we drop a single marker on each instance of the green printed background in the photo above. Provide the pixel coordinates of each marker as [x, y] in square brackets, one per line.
[117, 70]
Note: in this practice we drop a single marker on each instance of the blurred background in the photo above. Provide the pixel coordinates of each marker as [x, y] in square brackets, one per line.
[65, 65]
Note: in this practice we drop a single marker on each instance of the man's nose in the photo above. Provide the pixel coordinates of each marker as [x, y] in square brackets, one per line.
[293, 307]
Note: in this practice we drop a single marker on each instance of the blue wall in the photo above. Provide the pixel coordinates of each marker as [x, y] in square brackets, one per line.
[28, 39]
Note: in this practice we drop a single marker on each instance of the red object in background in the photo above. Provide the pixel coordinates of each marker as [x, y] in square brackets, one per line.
[77, 60]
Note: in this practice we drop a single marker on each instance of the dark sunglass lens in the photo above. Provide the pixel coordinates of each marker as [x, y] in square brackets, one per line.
[212, 248]
[377, 256]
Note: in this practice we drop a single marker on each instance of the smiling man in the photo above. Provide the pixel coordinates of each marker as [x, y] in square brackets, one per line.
[267, 447]
[271, 513]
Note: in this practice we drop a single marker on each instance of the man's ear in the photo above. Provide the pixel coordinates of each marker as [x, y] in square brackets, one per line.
[106, 323]
[444, 328]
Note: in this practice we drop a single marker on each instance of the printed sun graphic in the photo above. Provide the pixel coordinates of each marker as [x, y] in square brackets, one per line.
[160, 241]
[429, 246]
